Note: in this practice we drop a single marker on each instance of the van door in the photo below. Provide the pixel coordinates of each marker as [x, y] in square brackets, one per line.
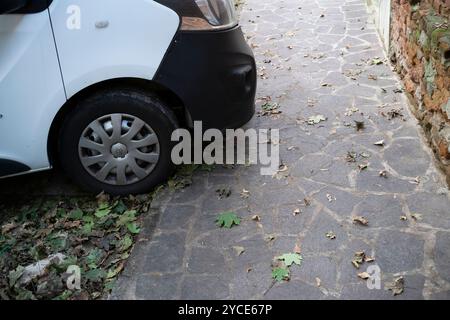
[31, 88]
[108, 39]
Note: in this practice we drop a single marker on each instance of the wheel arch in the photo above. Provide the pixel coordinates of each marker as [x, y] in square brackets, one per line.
[166, 95]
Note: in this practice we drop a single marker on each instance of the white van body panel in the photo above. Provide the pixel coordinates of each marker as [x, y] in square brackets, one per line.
[116, 39]
[31, 88]
[110, 39]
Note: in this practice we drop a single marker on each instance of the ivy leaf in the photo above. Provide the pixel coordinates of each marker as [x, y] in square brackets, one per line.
[103, 210]
[280, 274]
[15, 275]
[94, 257]
[120, 208]
[95, 275]
[76, 214]
[227, 220]
[290, 259]
[88, 224]
[112, 273]
[126, 218]
[126, 243]
[133, 228]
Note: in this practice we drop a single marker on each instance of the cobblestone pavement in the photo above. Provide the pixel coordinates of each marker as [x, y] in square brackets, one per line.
[314, 57]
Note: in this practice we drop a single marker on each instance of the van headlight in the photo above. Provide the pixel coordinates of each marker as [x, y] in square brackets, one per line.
[215, 15]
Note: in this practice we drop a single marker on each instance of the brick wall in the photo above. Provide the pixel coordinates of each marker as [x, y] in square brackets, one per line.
[420, 49]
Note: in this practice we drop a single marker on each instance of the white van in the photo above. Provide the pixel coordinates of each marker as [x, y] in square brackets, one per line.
[98, 86]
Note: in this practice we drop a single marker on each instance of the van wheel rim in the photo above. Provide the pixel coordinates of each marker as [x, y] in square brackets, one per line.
[119, 149]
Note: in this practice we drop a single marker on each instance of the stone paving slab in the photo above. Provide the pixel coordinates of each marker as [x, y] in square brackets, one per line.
[314, 57]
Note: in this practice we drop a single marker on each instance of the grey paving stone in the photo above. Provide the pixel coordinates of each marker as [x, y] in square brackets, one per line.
[294, 290]
[444, 295]
[165, 253]
[382, 211]
[158, 287]
[175, 217]
[360, 291]
[442, 254]
[348, 273]
[312, 267]
[251, 281]
[206, 261]
[370, 180]
[204, 288]
[407, 157]
[434, 208]
[316, 239]
[399, 251]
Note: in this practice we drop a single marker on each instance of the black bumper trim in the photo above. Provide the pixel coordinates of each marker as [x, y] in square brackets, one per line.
[9, 167]
[214, 74]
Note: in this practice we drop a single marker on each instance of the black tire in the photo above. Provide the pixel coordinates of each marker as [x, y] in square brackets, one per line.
[143, 105]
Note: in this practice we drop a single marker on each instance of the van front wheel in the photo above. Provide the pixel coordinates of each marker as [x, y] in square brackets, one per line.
[118, 142]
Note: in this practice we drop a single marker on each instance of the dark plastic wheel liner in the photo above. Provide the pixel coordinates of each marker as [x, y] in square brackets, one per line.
[9, 167]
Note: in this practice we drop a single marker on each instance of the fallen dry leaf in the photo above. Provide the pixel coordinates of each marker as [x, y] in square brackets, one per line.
[363, 166]
[8, 227]
[360, 125]
[318, 282]
[358, 259]
[245, 194]
[331, 235]
[364, 275]
[361, 220]
[316, 119]
[256, 218]
[307, 202]
[238, 250]
[397, 286]
[331, 198]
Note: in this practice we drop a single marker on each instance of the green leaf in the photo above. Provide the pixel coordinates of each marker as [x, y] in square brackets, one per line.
[95, 275]
[64, 296]
[112, 273]
[126, 218]
[103, 211]
[290, 259]
[126, 243]
[94, 257]
[133, 228]
[227, 220]
[109, 285]
[280, 274]
[120, 208]
[76, 214]
[15, 275]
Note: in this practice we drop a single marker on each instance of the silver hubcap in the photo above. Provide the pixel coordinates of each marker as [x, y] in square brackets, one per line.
[119, 149]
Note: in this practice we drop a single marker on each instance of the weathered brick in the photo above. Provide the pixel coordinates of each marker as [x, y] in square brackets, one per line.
[421, 45]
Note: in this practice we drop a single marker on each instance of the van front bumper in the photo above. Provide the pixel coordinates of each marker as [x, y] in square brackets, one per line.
[214, 74]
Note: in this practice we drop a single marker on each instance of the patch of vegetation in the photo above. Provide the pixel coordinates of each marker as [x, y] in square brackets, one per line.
[44, 240]
[92, 235]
